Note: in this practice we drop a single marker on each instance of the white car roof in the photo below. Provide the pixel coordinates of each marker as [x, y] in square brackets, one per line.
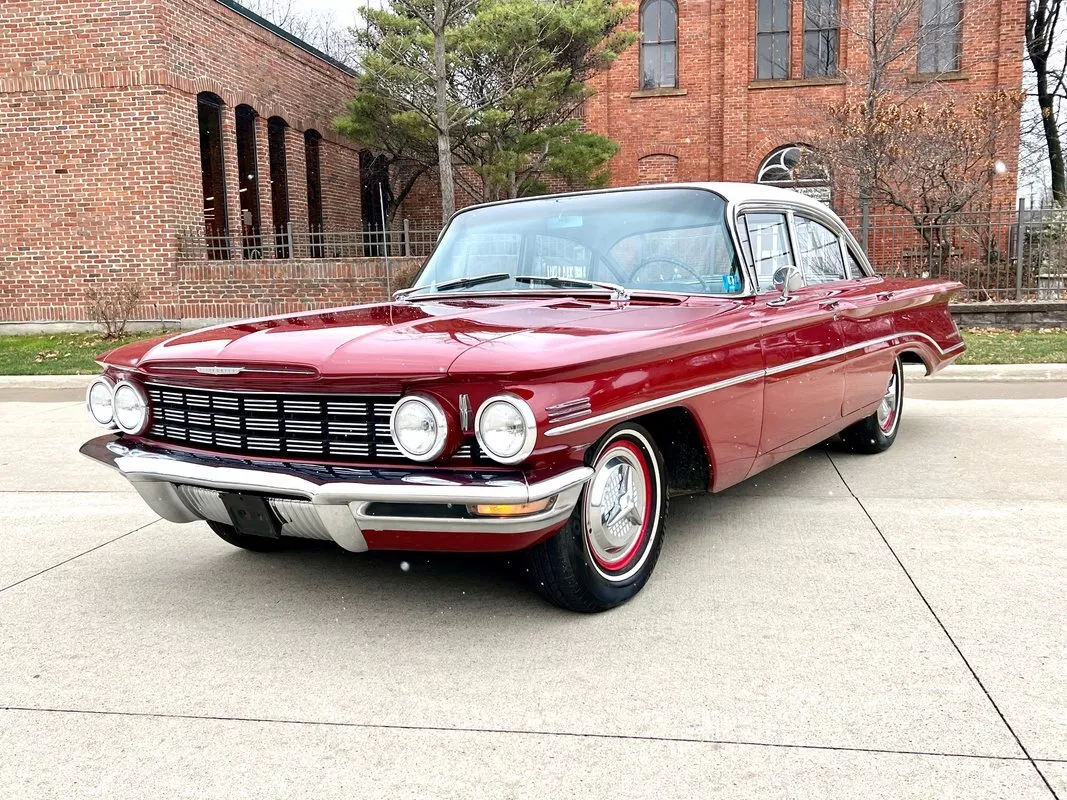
[736, 192]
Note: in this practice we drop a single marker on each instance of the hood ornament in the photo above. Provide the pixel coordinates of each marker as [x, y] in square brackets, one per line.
[213, 370]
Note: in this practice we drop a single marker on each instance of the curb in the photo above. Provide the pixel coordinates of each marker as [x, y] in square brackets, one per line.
[50, 382]
[991, 373]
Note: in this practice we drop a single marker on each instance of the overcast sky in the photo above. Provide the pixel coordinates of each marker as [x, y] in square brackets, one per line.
[344, 11]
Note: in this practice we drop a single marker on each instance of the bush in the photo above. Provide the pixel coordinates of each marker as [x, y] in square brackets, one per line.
[112, 304]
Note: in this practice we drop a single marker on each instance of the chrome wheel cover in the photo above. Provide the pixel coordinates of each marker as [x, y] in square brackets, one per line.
[617, 509]
[888, 410]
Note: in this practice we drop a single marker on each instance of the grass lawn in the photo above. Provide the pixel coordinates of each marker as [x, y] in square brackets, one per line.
[73, 353]
[57, 353]
[1044, 346]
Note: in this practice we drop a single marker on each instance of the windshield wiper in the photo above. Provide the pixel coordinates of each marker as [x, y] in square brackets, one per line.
[456, 283]
[617, 292]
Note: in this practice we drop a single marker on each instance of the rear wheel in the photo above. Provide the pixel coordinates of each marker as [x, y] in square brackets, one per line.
[876, 433]
[609, 547]
[258, 544]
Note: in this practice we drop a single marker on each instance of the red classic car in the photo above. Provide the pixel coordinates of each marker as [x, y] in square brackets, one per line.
[561, 367]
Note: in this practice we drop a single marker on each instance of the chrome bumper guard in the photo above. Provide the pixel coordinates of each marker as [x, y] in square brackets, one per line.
[336, 502]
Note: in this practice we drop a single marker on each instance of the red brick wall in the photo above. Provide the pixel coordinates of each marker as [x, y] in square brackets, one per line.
[721, 124]
[99, 153]
[217, 289]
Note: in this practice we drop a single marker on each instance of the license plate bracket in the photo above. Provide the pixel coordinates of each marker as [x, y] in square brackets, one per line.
[251, 515]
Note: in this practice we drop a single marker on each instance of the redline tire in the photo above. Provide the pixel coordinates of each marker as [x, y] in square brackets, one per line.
[607, 550]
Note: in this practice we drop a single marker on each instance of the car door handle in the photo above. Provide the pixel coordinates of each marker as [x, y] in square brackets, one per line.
[885, 295]
[829, 305]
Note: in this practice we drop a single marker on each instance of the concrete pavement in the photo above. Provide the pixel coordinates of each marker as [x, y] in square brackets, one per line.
[846, 626]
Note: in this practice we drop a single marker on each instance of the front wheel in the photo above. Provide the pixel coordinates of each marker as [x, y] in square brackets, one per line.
[876, 433]
[609, 546]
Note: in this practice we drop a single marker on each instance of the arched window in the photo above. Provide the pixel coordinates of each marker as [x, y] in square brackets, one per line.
[659, 44]
[313, 165]
[279, 185]
[248, 181]
[213, 174]
[793, 166]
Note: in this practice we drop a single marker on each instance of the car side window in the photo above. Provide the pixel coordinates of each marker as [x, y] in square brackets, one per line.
[855, 268]
[767, 245]
[821, 260]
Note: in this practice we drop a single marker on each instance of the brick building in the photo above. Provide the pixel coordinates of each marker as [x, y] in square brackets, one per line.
[724, 90]
[130, 128]
[187, 146]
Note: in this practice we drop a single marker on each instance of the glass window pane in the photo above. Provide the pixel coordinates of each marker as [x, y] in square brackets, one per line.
[650, 21]
[763, 16]
[781, 15]
[764, 57]
[650, 70]
[769, 241]
[781, 55]
[669, 69]
[820, 252]
[668, 22]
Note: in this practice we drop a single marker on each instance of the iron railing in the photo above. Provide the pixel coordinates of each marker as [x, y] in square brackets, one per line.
[1016, 253]
[1007, 254]
[196, 244]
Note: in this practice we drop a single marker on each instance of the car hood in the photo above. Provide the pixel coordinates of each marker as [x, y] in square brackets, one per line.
[427, 339]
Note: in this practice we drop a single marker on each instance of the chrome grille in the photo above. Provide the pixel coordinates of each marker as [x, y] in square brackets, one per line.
[327, 427]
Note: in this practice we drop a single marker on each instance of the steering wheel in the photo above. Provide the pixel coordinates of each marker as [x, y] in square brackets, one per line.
[673, 262]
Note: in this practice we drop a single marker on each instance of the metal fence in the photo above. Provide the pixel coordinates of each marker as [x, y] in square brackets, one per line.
[196, 244]
[1016, 253]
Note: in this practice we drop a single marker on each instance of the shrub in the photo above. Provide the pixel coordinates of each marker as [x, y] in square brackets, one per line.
[112, 304]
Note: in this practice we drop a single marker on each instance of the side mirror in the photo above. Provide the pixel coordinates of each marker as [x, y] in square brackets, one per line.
[787, 280]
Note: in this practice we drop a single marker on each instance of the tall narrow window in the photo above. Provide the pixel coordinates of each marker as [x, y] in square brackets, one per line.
[213, 174]
[279, 186]
[312, 160]
[377, 195]
[659, 44]
[248, 182]
[939, 36]
[772, 40]
[820, 38]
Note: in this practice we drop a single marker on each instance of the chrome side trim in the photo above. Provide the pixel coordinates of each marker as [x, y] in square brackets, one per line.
[561, 412]
[671, 399]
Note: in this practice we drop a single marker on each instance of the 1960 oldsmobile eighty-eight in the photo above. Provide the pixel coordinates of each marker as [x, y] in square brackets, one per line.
[562, 366]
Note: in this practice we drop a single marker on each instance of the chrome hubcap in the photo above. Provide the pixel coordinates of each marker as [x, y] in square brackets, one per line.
[887, 409]
[615, 514]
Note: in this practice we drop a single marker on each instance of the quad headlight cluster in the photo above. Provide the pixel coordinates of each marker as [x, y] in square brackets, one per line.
[504, 426]
[122, 405]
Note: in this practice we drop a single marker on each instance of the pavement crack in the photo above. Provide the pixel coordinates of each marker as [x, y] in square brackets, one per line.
[79, 555]
[944, 629]
[508, 732]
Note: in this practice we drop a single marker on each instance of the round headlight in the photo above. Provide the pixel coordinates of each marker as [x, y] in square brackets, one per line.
[99, 399]
[419, 427]
[131, 408]
[506, 429]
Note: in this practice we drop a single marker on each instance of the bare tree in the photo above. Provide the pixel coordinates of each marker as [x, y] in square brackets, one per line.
[323, 31]
[1042, 22]
[904, 58]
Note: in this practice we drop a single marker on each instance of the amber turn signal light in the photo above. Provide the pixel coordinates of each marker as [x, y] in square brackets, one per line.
[511, 509]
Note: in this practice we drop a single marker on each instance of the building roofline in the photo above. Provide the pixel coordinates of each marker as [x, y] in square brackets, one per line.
[267, 25]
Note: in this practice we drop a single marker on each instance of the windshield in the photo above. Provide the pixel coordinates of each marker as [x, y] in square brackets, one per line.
[668, 240]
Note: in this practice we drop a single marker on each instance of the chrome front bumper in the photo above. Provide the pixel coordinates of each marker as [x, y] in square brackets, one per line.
[336, 502]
